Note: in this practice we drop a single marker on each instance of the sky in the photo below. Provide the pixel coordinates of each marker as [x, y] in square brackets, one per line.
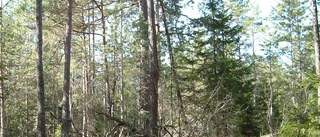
[4, 2]
[264, 5]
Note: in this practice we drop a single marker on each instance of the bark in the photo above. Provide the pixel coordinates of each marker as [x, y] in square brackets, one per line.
[154, 71]
[89, 69]
[2, 116]
[149, 69]
[26, 133]
[41, 129]
[316, 44]
[144, 67]
[122, 97]
[66, 121]
[93, 50]
[84, 84]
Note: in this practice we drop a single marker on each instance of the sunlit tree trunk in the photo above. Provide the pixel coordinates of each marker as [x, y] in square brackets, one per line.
[84, 110]
[66, 121]
[56, 108]
[2, 126]
[27, 131]
[316, 44]
[122, 84]
[41, 128]
[93, 50]
[90, 66]
[84, 81]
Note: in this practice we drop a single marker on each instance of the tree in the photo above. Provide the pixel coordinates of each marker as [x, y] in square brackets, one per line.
[144, 67]
[217, 82]
[154, 70]
[316, 40]
[173, 71]
[41, 128]
[2, 127]
[66, 121]
[199, 69]
[107, 96]
[149, 79]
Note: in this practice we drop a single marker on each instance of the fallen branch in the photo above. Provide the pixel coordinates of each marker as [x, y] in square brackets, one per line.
[132, 128]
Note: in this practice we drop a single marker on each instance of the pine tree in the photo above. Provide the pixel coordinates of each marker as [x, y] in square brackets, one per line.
[41, 129]
[66, 121]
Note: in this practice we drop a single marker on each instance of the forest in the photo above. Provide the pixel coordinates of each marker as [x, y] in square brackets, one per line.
[159, 68]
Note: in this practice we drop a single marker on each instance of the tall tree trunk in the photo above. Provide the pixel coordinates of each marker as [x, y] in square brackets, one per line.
[41, 129]
[154, 71]
[122, 96]
[114, 79]
[316, 44]
[84, 110]
[84, 81]
[66, 122]
[56, 108]
[87, 70]
[144, 69]
[27, 130]
[2, 117]
[93, 50]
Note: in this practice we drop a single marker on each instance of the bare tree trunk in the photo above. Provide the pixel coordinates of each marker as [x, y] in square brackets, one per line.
[84, 110]
[84, 83]
[93, 49]
[316, 44]
[122, 96]
[71, 106]
[56, 106]
[41, 128]
[2, 121]
[154, 70]
[27, 131]
[114, 80]
[66, 122]
[88, 73]
[144, 69]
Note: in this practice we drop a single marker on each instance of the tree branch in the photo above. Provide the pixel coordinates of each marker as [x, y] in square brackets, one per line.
[132, 128]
